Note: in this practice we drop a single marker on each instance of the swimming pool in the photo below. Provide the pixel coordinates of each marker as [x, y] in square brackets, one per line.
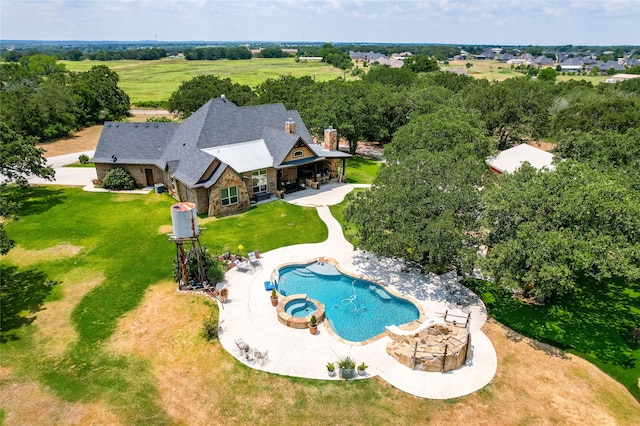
[356, 309]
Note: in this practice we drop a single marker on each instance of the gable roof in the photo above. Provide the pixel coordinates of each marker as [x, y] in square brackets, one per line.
[510, 160]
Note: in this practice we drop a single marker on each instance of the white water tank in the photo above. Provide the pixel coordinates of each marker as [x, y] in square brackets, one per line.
[184, 220]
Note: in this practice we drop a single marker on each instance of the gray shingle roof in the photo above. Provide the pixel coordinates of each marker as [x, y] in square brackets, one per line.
[134, 143]
[219, 122]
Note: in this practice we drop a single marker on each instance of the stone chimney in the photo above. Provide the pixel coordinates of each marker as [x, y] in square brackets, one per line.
[290, 127]
[330, 138]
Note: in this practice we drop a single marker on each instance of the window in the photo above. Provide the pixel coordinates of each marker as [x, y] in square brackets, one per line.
[229, 195]
[298, 153]
[259, 180]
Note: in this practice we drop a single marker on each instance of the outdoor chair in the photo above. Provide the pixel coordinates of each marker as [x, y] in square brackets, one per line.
[243, 266]
[254, 260]
[241, 346]
[261, 357]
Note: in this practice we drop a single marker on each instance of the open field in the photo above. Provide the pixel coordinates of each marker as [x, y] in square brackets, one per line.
[113, 343]
[156, 80]
[497, 71]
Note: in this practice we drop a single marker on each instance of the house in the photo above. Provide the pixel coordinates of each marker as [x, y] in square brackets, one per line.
[223, 156]
[510, 160]
[572, 65]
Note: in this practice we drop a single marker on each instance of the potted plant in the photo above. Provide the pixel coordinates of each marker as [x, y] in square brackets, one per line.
[313, 324]
[347, 368]
[224, 294]
[274, 297]
[331, 369]
[362, 369]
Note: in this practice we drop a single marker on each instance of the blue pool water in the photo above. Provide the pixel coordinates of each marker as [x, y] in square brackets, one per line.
[356, 309]
[300, 308]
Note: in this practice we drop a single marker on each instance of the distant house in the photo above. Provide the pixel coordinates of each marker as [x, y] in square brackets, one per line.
[571, 65]
[616, 78]
[510, 160]
[223, 156]
[543, 61]
[604, 67]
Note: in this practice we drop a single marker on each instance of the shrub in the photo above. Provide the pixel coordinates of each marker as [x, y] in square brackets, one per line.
[118, 179]
[211, 326]
[83, 159]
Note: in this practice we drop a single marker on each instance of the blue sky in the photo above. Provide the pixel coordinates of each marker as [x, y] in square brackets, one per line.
[506, 22]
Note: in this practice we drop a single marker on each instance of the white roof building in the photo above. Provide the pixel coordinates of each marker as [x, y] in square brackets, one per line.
[510, 160]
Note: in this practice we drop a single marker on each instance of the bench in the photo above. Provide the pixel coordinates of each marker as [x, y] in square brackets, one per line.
[261, 196]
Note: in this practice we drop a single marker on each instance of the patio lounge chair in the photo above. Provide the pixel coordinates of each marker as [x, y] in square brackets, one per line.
[254, 260]
[241, 346]
[243, 266]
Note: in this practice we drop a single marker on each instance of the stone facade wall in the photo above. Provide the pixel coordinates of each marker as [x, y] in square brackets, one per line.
[228, 179]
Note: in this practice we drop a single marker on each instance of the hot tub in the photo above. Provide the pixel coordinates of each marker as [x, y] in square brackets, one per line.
[296, 310]
[300, 308]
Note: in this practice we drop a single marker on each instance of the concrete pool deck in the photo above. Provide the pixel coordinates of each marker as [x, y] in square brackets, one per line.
[248, 315]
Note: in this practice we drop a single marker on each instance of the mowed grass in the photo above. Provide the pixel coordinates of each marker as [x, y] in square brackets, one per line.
[361, 170]
[157, 80]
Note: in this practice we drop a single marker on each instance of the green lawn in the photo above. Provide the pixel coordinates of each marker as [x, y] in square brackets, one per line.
[121, 240]
[594, 322]
[361, 170]
[155, 80]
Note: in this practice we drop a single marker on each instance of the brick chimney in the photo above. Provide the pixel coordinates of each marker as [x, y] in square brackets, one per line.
[330, 138]
[290, 127]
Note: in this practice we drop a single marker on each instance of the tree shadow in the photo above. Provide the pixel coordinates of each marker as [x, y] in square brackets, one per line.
[21, 296]
[34, 199]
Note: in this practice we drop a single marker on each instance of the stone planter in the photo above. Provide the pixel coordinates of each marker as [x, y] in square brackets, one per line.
[347, 373]
[274, 301]
[362, 372]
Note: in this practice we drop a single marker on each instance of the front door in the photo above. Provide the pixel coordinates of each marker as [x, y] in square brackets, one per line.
[149, 175]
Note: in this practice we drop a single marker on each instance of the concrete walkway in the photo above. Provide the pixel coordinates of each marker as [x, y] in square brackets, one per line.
[248, 315]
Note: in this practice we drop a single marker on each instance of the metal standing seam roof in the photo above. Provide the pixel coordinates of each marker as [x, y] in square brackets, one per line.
[243, 157]
[510, 160]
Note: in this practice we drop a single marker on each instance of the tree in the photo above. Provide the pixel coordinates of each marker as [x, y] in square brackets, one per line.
[273, 52]
[194, 93]
[285, 89]
[19, 158]
[606, 109]
[548, 228]
[421, 63]
[390, 76]
[514, 109]
[424, 203]
[548, 74]
[98, 96]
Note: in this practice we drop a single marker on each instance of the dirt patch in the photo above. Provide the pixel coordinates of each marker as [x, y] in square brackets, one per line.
[165, 330]
[29, 403]
[83, 140]
[20, 256]
[165, 229]
[545, 146]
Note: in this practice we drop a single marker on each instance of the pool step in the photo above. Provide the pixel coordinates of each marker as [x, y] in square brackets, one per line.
[303, 273]
[380, 292]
